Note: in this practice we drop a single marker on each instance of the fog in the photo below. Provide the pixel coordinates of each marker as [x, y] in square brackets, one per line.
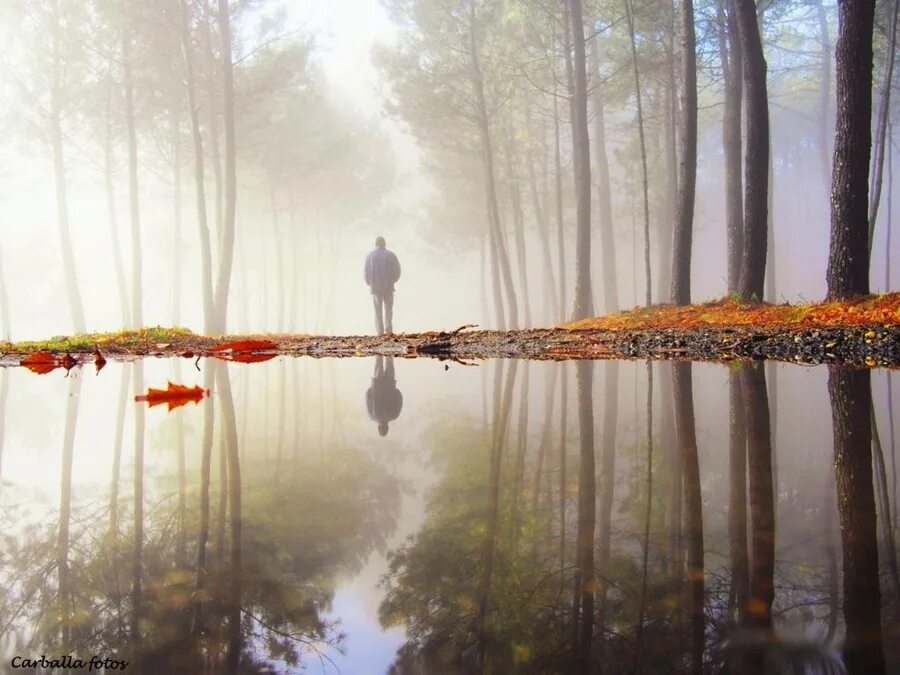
[359, 160]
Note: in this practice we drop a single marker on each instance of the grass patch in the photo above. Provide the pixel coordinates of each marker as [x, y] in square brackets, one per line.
[88, 341]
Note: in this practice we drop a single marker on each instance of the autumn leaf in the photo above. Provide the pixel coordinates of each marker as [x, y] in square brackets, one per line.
[245, 346]
[46, 362]
[245, 351]
[99, 361]
[176, 395]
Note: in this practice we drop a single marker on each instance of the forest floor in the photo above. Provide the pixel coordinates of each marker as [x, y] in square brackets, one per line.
[864, 332]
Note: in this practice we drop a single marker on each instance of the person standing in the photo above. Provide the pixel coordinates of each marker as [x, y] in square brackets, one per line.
[382, 272]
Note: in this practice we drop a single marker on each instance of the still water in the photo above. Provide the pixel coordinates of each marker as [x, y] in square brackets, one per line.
[407, 516]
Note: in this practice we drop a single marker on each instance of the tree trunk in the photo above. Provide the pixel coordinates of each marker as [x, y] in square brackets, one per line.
[59, 175]
[848, 257]
[137, 571]
[687, 166]
[65, 513]
[607, 493]
[851, 410]
[645, 562]
[687, 442]
[824, 97]
[732, 68]
[137, 284]
[737, 505]
[756, 159]
[884, 106]
[560, 229]
[515, 198]
[609, 278]
[111, 206]
[670, 121]
[584, 303]
[223, 282]
[229, 432]
[203, 536]
[587, 505]
[762, 499]
[543, 227]
[643, 150]
[205, 252]
[501, 417]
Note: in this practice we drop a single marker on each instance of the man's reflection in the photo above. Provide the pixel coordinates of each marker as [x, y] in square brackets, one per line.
[383, 400]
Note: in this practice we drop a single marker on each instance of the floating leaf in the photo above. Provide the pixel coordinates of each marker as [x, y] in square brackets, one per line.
[41, 362]
[245, 346]
[245, 351]
[176, 395]
[99, 361]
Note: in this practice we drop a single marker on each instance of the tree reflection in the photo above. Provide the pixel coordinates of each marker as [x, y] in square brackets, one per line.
[851, 410]
[288, 545]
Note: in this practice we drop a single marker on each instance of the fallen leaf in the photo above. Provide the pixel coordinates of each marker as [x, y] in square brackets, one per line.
[245, 351]
[245, 346]
[99, 361]
[41, 362]
[176, 395]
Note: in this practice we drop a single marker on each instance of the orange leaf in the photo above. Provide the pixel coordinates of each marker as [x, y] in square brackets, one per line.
[41, 362]
[245, 346]
[99, 361]
[176, 395]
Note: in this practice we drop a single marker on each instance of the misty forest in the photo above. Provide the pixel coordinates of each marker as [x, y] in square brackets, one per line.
[449, 336]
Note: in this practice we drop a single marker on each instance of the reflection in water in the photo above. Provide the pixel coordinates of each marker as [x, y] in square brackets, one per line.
[383, 400]
[504, 547]
[851, 408]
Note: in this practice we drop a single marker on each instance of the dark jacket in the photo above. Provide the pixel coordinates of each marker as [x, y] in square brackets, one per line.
[382, 270]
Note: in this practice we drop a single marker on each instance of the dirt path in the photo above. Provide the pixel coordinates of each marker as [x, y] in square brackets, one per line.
[862, 345]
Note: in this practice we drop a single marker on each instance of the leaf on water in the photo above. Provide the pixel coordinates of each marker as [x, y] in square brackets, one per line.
[245, 346]
[99, 361]
[176, 395]
[41, 362]
[245, 351]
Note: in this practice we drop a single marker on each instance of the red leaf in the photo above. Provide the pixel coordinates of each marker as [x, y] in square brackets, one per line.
[41, 362]
[99, 361]
[245, 351]
[245, 346]
[176, 395]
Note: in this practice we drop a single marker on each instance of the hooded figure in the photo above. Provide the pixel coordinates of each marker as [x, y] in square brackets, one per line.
[381, 272]
[383, 400]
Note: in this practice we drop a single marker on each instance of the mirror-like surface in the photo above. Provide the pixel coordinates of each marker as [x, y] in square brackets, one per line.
[392, 515]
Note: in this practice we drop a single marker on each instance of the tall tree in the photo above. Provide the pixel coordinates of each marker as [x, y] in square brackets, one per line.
[756, 158]
[881, 121]
[643, 149]
[732, 70]
[223, 281]
[55, 117]
[610, 281]
[584, 303]
[137, 315]
[848, 256]
[687, 161]
[851, 410]
[206, 275]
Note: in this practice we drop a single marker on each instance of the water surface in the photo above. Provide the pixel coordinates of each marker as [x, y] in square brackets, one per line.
[393, 515]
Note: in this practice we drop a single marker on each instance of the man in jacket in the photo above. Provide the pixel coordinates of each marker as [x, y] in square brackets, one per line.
[382, 271]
